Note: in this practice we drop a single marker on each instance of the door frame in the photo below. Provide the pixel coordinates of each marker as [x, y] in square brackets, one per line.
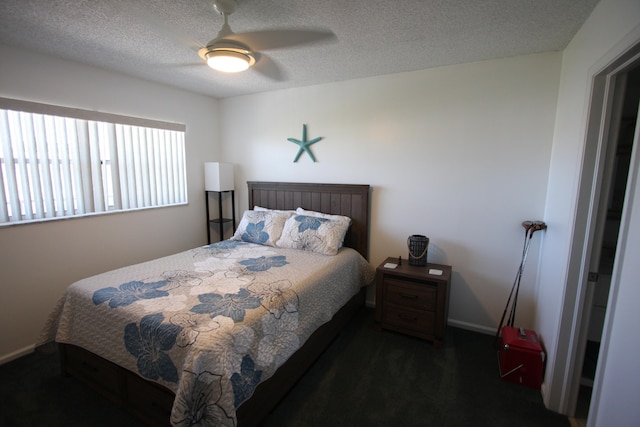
[590, 183]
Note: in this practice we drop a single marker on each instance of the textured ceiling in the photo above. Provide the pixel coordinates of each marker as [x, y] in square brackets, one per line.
[158, 39]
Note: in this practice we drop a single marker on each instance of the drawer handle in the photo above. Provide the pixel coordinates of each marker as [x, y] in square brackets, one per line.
[408, 296]
[407, 318]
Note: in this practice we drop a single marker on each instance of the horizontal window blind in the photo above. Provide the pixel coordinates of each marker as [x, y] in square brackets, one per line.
[58, 162]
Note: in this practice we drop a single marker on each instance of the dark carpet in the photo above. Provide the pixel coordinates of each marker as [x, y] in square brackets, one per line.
[365, 378]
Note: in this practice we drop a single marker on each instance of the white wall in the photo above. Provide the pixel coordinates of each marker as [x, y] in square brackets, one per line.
[38, 261]
[460, 154]
[603, 35]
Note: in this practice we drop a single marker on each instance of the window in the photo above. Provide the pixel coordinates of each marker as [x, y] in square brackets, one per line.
[60, 162]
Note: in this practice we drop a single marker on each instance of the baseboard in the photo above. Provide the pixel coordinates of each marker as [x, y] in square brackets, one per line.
[16, 354]
[471, 327]
[455, 323]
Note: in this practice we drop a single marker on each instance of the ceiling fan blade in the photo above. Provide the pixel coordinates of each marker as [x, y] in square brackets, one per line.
[283, 38]
[267, 67]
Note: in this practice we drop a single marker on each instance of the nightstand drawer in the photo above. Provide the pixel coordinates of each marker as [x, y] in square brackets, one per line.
[408, 295]
[409, 319]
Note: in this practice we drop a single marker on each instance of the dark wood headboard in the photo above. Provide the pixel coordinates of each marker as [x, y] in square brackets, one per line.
[337, 199]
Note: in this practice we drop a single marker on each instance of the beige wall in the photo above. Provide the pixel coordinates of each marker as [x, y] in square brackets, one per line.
[460, 154]
[38, 261]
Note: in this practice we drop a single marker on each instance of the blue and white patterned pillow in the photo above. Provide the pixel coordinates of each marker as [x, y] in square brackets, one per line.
[261, 227]
[311, 233]
[345, 219]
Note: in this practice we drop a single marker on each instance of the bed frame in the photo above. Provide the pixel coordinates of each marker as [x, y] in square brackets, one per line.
[152, 402]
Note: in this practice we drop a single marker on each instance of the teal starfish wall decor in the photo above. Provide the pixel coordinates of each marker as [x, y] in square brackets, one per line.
[304, 144]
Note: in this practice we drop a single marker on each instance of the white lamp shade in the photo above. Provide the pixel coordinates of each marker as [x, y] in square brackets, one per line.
[218, 176]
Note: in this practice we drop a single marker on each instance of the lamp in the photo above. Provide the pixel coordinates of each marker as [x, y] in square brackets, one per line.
[218, 176]
[227, 56]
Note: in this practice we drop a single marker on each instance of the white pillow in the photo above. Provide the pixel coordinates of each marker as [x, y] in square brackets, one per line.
[261, 227]
[260, 208]
[312, 233]
[342, 218]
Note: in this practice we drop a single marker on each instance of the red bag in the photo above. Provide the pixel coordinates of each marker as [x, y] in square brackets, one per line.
[520, 357]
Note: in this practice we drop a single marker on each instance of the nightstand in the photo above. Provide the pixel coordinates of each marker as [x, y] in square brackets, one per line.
[411, 301]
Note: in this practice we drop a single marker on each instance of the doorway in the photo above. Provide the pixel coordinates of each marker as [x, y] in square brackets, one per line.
[611, 129]
[617, 139]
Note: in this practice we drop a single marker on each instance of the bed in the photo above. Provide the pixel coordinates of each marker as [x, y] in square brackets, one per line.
[144, 336]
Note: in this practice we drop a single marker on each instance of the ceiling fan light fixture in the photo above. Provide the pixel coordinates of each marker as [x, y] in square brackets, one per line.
[229, 60]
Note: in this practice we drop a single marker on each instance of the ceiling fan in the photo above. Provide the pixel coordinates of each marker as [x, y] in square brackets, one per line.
[234, 52]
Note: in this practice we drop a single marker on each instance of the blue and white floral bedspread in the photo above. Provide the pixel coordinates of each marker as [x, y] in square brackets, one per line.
[214, 321]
